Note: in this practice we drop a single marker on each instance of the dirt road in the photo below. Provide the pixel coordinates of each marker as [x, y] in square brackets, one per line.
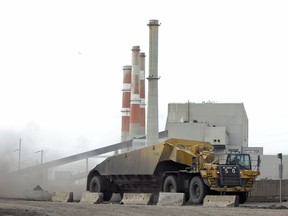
[27, 208]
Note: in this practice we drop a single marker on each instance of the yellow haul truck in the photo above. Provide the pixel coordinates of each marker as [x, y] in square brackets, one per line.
[176, 165]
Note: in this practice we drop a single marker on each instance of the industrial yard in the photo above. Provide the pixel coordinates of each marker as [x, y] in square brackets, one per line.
[177, 167]
[25, 208]
[201, 163]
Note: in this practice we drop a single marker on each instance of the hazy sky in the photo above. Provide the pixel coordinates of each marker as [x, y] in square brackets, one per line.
[61, 66]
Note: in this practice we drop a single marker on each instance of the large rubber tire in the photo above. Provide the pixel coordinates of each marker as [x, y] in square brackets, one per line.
[97, 184]
[197, 190]
[170, 184]
[107, 194]
[243, 196]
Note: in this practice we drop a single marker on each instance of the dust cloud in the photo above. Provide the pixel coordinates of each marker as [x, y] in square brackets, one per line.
[14, 184]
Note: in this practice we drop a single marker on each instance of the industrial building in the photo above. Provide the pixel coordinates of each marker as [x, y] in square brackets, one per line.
[223, 125]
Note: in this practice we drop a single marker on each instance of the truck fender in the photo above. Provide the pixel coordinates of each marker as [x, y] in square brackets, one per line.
[91, 174]
[205, 180]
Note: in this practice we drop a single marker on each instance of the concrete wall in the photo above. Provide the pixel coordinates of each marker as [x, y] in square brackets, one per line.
[268, 190]
[216, 135]
[192, 131]
[269, 168]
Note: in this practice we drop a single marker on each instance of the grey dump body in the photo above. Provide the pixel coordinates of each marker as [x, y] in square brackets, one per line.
[175, 165]
[142, 169]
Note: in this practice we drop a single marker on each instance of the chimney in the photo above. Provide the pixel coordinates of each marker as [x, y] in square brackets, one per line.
[142, 94]
[126, 94]
[152, 113]
[134, 129]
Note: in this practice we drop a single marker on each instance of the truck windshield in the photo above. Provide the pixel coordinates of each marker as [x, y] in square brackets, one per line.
[243, 160]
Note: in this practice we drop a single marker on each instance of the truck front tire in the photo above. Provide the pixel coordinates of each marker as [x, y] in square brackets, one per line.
[170, 184]
[197, 190]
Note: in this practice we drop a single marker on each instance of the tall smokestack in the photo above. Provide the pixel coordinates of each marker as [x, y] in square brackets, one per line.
[152, 113]
[142, 93]
[126, 94]
[134, 129]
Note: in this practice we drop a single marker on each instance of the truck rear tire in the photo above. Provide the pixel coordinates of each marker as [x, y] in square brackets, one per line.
[197, 190]
[97, 185]
[170, 184]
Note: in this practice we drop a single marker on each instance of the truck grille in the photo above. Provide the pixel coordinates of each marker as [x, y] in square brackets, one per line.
[229, 176]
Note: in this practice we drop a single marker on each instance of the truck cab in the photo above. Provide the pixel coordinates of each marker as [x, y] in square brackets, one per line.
[243, 160]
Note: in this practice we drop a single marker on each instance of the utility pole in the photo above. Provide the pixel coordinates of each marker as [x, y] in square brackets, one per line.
[41, 172]
[19, 157]
[19, 154]
[280, 175]
[41, 155]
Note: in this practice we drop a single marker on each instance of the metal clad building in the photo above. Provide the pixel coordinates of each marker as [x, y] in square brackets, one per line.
[225, 125]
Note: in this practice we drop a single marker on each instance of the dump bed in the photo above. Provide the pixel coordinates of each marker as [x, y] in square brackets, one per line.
[145, 160]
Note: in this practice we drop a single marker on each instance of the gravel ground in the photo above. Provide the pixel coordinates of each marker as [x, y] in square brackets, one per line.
[9, 207]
